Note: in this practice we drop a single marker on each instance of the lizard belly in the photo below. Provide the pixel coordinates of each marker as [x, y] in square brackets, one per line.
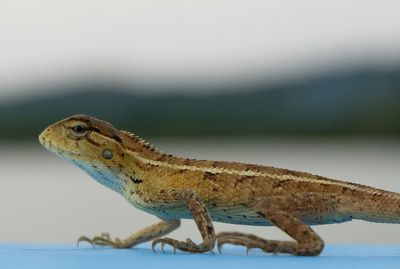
[230, 214]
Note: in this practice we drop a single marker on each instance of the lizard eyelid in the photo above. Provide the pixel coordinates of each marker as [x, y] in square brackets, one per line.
[79, 130]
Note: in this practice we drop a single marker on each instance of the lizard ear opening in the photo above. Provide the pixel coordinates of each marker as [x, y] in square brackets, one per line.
[107, 154]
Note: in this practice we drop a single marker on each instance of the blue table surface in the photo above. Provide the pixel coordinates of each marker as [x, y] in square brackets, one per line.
[68, 256]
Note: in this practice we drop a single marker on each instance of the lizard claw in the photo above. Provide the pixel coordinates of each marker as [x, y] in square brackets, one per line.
[155, 243]
[225, 239]
[84, 239]
[186, 246]
[219, 245]
[153, 247]
[103, 240]
[248, 250]
[162, 247]
[162, 242]
[221, 242]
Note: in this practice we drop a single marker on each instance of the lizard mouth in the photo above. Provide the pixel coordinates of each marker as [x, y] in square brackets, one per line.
[55, 147]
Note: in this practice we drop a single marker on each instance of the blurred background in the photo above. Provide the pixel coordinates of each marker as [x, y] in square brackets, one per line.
[308, 85]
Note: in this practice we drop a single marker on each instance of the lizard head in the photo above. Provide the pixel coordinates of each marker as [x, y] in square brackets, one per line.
[93, 145]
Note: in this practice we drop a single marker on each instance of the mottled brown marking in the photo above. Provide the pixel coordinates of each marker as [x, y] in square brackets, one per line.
[209, 176]
[218, 164]
[162, 158]
[243, 179]
[94, 143]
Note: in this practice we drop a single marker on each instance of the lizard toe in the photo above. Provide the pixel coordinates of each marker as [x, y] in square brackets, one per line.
[185, 246]
[84, 239]
[102, 240]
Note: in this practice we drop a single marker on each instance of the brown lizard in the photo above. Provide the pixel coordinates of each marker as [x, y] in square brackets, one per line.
[174, 188]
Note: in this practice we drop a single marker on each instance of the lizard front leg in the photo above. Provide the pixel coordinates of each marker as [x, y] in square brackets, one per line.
[147, 234]
[203, 221]
[281, 212]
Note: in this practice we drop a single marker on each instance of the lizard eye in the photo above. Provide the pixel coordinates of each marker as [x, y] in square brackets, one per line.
[79, 130]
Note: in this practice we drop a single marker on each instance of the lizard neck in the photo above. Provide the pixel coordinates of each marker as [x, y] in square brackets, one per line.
[140, 157]
[126, 174]
[141, 149]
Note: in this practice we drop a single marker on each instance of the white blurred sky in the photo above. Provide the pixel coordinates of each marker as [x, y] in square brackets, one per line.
[187, 41]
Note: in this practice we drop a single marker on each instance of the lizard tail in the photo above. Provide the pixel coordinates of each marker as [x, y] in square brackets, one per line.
[380, 207]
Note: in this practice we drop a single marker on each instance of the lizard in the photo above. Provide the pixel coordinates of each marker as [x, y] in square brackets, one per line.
[174, 188]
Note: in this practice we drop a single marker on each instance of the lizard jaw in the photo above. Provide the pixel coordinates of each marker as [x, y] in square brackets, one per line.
[56, 148]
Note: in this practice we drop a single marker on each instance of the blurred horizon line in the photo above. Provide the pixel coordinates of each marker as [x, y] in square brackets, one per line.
[23, 91]
[364, 103]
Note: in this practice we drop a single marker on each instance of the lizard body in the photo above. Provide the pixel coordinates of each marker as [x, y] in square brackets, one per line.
[175, 188]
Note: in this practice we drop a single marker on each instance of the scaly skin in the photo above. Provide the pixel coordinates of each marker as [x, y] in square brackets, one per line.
[174, 188]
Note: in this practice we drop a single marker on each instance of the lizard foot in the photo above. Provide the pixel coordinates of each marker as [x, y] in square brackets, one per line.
[103, 240]
[186, 246]
[250, 241]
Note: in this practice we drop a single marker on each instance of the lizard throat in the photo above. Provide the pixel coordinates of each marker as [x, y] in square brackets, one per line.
[102, 175]
[105, 177]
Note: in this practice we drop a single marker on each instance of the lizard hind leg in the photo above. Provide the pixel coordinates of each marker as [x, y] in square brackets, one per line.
[307, 242]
